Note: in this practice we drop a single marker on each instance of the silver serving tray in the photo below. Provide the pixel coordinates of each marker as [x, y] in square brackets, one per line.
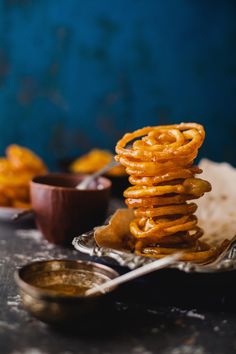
[85, 243]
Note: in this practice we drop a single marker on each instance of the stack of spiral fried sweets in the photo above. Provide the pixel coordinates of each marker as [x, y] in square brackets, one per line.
[159, 161]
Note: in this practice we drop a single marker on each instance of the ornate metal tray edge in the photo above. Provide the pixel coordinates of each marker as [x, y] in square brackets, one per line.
[85, 243]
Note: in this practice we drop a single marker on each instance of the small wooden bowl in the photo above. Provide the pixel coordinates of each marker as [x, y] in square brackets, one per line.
[62, 211]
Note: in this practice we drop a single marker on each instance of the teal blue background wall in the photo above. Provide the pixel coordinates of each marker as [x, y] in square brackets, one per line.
[79, 73]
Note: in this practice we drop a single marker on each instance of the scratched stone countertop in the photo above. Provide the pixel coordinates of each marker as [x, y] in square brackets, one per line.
[162, 313]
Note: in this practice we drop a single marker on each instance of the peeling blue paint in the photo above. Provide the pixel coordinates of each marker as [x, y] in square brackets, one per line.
[77, 74]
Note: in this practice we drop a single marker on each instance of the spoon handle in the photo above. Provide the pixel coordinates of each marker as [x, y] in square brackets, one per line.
[22, 214]
[147, 268]
[85, 183]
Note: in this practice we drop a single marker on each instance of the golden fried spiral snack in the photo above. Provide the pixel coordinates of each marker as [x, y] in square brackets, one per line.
[159, 161]
[16, 170]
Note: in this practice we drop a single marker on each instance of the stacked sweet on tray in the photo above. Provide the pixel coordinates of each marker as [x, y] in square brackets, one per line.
[159, 161]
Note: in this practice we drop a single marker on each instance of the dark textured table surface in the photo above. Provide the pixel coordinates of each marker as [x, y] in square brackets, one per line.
[167, 312]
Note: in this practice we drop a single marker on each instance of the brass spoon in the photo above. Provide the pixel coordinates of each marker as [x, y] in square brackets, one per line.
[147, 268]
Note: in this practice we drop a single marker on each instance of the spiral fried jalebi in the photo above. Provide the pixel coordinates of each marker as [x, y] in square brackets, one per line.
[16, 171]
[159, 161]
